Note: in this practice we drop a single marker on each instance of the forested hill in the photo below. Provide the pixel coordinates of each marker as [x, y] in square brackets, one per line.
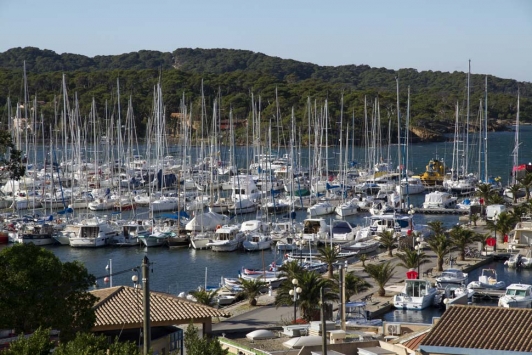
[221, 61]
[232, 77]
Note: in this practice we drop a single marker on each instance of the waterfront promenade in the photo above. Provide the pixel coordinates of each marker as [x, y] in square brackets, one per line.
[266, 316]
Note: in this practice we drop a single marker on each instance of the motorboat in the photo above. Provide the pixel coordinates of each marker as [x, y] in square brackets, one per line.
[355, 315]
[242, 206]
[90, 233]
[155, 239]
[130, 233]
[400, 225]
[452, 277]
[514, 261]
[362, 247]
[315, 229]
[434, 173]
[342, 232]
[439, 199]
[517, 296]
[200, 240]
[257, 241]
[347, 208]
[321, 208]
[410, 186]
[38, 234]
[227, 238]
[488, 279]
[417, 294]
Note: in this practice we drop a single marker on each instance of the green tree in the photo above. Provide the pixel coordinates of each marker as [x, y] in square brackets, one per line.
[90, 344]
[485, 191]
[205, 297]
[14, 164]
[381, 274]
[461, 238]
[410, 259]
[308, 302]
[37, 290]
[195, 345]
[291, 269]
[251, 289]
[38, 343]
[387, 240]
[526, 183]
[503, 223]
[514, 189]
[328, 255]
[441, 246]
[436, 227]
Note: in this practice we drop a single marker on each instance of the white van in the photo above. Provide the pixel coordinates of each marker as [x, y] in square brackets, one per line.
[493, 211]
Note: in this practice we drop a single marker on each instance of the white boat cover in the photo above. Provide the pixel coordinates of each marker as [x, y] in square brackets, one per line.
[206, 221]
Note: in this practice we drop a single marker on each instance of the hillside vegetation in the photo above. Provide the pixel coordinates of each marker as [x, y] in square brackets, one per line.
[233, 76]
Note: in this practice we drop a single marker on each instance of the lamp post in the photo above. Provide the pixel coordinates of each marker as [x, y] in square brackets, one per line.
[298, 246]
[418, 249]
[411, 220]
[295, 294]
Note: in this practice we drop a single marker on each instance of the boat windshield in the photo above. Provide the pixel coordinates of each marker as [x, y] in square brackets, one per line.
[514, 292]
[415, 288]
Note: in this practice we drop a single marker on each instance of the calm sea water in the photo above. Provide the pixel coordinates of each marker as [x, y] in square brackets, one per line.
[175, 271]
[425, 316]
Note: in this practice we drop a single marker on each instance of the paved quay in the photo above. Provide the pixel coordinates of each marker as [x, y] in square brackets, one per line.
[266, 316]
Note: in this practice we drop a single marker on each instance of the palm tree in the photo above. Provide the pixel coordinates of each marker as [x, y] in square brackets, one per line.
[410, 259]
[310, 282]
[514, 189]
[329, 256]
[436, 227]
[251, 289]
[381, 274]
[526, 183]
[387, 240]
[291, 269]
[353, 284]
[462, 238]
[441, 246]
[204, 297]
[474, 218]
[485, 192]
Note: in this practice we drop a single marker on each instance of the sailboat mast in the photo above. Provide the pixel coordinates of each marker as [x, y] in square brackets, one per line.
[486, 130]
[516, 144]
[398, 129]
[467, 122]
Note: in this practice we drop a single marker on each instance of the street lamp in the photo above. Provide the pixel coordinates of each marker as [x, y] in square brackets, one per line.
[418, 249]
[295, 294]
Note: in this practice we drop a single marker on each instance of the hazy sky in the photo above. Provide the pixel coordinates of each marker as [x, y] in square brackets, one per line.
[425, 35]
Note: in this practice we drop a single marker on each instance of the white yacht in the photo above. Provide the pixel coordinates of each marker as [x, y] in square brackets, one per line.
[321, 208]
[257, 241]
[410, 186]
[342, 232]
[227, 238]
[517, 296]
[452, 277]
[90, 233]
[315, 229]
[417, 294]
[439, 199]
[348, 208]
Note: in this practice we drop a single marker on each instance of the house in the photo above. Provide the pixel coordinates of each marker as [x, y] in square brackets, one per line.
[119, 312]
[475, 330]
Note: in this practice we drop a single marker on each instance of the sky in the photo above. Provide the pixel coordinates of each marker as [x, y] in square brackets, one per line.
[424, 35]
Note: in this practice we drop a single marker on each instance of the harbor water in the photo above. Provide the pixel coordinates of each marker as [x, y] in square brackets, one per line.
[182, 270]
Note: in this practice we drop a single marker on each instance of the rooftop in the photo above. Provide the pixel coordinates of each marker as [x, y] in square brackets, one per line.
[475, 327]
[122, 306]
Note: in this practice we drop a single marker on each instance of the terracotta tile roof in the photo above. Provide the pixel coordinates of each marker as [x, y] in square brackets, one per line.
[122, 306]
[474, 327]
[413, 342]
